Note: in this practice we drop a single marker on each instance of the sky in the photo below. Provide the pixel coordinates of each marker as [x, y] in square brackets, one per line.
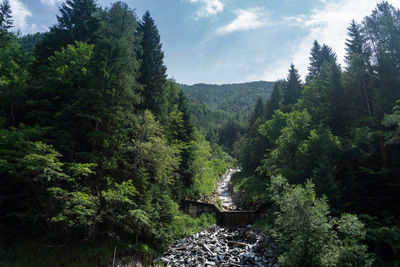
[229, 41]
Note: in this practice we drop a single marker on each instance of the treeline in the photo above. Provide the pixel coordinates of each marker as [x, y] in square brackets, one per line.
[222, 111]
[338, 135]
[97, 146]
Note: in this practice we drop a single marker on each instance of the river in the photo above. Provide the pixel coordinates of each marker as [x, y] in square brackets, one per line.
[222, 246]
[224, 190]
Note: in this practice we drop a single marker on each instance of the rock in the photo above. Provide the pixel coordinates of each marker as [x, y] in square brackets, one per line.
[250, 236]
[222, 247]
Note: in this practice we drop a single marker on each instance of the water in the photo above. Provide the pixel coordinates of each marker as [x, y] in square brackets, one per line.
[223, 190]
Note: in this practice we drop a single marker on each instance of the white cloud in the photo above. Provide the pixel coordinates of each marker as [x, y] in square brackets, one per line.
[327, 25]
[245, 20]
[51, 3]
[209, 7]
[20, 14]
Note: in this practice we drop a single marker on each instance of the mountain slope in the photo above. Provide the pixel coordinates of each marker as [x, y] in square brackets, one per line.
[212, 104]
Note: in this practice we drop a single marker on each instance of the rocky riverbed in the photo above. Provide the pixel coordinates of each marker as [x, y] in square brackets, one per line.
[224, 190]
[220, 246]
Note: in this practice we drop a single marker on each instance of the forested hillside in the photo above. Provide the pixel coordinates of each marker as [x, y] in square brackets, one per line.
[330, 146]
[97, 146]
[222, 111]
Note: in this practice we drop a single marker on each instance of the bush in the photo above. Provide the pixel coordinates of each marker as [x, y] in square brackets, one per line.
[305, 233]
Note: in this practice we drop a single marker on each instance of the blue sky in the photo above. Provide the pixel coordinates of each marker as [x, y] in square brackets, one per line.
[228, 41]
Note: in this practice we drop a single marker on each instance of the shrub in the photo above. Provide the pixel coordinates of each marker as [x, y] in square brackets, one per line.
[305, 233]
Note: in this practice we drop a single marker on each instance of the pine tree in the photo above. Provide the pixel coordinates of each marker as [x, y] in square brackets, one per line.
[319, 56]
[382, 30]
[6, 21]
[326, 55]
[315, 62]
[152, 70]
[258, 111]
[333, 105]
[76, 22]
[77, 17]
[275, 98]
[355, 43]
[357, 78]
[293, 87]
[14, 65]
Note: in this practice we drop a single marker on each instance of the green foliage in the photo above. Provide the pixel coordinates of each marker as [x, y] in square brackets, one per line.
[306, 234]
[184, 225]
[6, 21]
[222, 110]
[393, 121]
[77, 22]
[79, 210]
[291, 92]
[249, 187]
[207, 168]
[89, 165]
[341, 134]
[14, 65]
[152, 69]
[29, 41]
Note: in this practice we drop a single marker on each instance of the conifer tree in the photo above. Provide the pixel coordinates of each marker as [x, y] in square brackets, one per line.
[319, 56]
[76, 22]
[186, 135]
[258, 111]
[293, 87]
[152, 70]
[356, 42]
[315, 62]
[333, 103]
[6, 21]
[382, 30]
[357, 78]
[77, 17]
[275, 98]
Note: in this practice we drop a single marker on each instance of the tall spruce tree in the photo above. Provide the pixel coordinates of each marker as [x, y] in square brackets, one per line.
[186, 135]
[358, 79]
[356, 41]
[76, 22]
[319, 56]
[14, 64]
[6, 21]
[152, 69]
[315, 62]
[333, 109]
[258, 111]
[382, 30]
[293, 87]
[275, 98]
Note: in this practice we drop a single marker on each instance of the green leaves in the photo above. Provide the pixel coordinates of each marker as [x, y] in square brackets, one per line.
[80, 210]
[306, 234]
[42, 165]
[393, 121]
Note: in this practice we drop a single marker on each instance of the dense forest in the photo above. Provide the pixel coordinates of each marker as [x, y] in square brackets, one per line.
[326, 153]
[97, 146]
[222, 111]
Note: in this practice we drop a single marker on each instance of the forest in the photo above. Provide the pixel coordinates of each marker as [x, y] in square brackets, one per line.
[325, 152]
[222, 111]
[98, 147]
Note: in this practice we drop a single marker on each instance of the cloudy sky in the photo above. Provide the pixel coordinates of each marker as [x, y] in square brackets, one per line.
[228, 41]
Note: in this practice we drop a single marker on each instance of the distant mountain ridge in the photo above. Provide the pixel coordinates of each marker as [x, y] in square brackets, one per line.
[229, 97]
[213, 104]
